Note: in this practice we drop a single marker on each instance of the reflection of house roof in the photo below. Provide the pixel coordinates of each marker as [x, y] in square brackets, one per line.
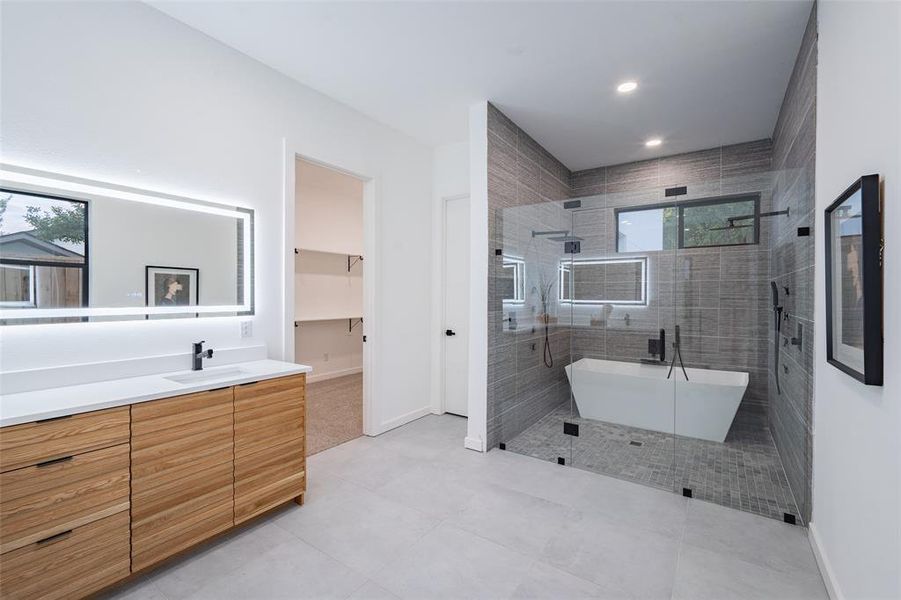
[25, 245]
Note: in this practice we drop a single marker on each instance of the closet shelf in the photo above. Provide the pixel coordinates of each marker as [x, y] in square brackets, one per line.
[351, 321]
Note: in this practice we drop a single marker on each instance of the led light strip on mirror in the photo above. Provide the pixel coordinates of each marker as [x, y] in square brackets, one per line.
[26, 180]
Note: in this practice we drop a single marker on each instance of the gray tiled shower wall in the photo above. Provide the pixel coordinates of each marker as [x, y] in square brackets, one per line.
[521, 173]
[792, 267]
[720, 296]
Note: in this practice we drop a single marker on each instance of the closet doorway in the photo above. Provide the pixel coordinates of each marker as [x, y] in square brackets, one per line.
[328, 297]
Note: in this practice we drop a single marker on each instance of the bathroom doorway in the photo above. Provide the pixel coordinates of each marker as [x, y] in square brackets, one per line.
[329, 300]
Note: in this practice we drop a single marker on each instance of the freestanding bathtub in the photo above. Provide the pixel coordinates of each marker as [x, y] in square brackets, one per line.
[640, 395]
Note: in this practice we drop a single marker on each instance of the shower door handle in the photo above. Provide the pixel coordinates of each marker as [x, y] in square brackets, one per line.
[449, 332]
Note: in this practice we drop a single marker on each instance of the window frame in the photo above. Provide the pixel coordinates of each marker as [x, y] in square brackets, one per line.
[680, 219]
[85, 266]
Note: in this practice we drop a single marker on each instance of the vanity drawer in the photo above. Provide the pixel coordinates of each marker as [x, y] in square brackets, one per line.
[49, 498]
[32, 443]
[182, 468]
[73, 564]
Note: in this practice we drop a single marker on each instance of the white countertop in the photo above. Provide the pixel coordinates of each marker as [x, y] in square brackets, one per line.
[25, 407]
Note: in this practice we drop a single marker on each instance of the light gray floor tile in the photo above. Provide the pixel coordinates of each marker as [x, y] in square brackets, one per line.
[372, 591]
[142, 588]
[748, 537]
[185, 576]
[452, 563]
[706, 575]
[358, 527]
[439, 492]
[294, 571]
[516, 520]
[628, 561]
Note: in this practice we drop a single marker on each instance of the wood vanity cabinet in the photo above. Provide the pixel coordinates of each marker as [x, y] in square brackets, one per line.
[87, 500]
[64, 501]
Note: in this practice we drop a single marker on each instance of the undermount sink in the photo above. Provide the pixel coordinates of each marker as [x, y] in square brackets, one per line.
[206, 375]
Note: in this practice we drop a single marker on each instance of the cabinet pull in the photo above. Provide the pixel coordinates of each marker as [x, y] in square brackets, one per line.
[54, 419]
[54, 538]
[54, 461]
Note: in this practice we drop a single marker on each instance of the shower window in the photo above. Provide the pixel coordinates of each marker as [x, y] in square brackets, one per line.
[604, 281]
[730, 221]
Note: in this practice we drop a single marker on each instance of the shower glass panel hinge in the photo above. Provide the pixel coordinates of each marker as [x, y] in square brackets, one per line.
[571, 429]
[502, 446]
[561, 460]
[686, 492]
[676, 191]
[789, 518]
[572, 247]
[572, 204]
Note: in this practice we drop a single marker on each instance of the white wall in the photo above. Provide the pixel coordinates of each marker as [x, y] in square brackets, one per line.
[120, 92]
[856, 522]
[329, 348]
[477, 426]
[450, 168]
[127, 236]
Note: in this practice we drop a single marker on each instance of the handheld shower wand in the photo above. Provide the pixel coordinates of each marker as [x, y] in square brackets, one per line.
[777, 329]
[677, 353]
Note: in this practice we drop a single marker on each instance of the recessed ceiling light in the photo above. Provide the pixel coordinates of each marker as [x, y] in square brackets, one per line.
[653, 142]
[626, 87]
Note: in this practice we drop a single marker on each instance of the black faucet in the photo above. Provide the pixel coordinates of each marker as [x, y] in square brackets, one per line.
[657, 347]
[198, 355]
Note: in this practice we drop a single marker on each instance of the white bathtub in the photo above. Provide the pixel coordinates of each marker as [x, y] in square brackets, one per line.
[640, 395]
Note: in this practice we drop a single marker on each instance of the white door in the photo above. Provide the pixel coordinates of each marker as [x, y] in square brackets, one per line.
[456, 305]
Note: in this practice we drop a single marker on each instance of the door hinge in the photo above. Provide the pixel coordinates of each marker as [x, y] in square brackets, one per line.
[571, 429]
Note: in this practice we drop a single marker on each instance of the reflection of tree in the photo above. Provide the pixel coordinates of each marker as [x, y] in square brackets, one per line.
[57, 224]
[4, 202]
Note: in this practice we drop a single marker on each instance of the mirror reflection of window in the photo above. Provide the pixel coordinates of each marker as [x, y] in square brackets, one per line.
[513, 280]
[43, 250]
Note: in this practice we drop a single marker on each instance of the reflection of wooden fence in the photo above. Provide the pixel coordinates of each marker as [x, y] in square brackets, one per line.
[55, 287]
[58, 287]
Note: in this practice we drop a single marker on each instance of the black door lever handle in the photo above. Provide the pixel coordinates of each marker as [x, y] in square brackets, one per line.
[449, 332]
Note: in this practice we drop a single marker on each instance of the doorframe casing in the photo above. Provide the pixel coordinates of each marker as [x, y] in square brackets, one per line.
[442, 294]
[371, 191]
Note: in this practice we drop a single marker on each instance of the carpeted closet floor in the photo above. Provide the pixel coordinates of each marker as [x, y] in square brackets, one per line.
[334, 412]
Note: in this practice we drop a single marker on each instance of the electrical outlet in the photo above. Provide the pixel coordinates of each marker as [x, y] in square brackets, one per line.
[246, 329]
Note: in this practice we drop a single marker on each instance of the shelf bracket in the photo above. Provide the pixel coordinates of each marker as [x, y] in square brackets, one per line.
[351, 324]
[353, 259]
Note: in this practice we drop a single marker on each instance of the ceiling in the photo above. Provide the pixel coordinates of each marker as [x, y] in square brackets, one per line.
[709, 73]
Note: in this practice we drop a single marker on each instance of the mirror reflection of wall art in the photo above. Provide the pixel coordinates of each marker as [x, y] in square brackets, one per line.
[171, 286]
[854, 282]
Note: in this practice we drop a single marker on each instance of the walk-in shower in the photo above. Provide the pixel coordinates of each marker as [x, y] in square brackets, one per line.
[656, 311]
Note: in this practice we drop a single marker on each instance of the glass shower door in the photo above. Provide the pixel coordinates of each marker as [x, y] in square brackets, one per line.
[621, 299]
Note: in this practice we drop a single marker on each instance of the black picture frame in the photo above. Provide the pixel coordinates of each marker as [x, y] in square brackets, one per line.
[867, 275]
[148, 289]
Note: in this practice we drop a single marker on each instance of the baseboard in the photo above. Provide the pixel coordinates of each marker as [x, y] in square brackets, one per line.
[333, 374]
[404, 419]
[832, 587]
[473, 443]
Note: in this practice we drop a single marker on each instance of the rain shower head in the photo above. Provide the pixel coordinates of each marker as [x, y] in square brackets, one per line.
[557, 236]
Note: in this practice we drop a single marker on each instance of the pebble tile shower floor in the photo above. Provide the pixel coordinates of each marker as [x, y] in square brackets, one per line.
[744, 473]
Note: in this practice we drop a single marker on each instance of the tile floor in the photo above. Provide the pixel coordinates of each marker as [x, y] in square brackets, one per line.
[411, 514]
[744, 473]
